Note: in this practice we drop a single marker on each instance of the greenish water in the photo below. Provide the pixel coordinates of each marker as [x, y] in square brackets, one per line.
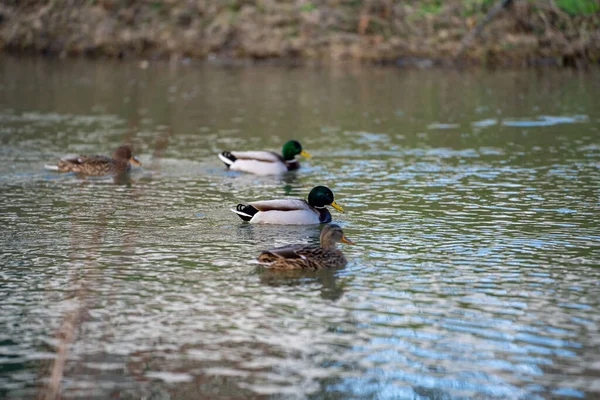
[473, 198]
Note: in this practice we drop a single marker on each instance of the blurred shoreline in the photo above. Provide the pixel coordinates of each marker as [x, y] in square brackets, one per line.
[407, 34]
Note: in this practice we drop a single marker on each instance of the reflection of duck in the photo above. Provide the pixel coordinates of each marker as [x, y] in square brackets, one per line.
[326, 255]
[330, 286]
[265, 162]
[291, 211]
[98, 165]
[288, 181]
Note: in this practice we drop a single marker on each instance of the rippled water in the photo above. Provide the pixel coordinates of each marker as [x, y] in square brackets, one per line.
[473, 198]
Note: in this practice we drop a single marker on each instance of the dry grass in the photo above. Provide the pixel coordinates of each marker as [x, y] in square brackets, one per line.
[369, 30]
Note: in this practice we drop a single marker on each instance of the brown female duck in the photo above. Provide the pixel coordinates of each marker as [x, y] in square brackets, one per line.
[120, 162]
[308, 256]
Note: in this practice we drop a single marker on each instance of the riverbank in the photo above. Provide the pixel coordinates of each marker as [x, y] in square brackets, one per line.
[421, 33]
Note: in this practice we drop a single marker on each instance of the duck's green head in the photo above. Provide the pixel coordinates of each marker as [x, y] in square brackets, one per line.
[321, 196]
[291, 149]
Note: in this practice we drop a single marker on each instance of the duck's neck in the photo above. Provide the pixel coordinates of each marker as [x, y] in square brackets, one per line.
[328, 244]
[292, 164]
[324, 215]
[121, 165]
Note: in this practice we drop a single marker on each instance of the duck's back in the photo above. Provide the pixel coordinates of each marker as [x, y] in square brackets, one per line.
[285, 211]
[90, 165]
[302, 257]
[319, 257]
[261, 155]
[258, 162]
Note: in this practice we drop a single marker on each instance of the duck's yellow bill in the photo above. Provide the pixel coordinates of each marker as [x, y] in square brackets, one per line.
[305, 154]
[134, 160]
[337, 206]
[346, 240]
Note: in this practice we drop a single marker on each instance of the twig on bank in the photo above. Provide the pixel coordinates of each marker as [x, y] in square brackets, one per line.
[477, 29]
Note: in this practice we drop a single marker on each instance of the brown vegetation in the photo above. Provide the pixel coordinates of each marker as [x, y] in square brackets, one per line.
[403, 32]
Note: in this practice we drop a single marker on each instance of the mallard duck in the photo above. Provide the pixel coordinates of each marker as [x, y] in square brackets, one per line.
[309, 256]
[291, 211]
[98, 165]
[265, 162]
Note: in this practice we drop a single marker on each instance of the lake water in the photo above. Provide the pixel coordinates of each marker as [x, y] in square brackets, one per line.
[472, 196]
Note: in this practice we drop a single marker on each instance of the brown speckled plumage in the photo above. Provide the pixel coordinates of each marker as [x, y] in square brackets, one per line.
[308, 256]
[99, 165]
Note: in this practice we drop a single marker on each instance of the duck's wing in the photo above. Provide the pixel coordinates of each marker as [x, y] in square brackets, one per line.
[91, 165]
[284, 212]
[255, 162]
[317, 257]
[281, 205]
[66, 163]
[263, 156]
[299, 257]
[78, 159]
[95, 159]
[293, 251]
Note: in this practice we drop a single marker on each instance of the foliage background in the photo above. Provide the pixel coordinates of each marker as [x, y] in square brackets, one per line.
[423, 32]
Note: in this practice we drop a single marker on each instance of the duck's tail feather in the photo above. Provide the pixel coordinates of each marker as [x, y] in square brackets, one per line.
[266, 257]
[49, 167]
[67, 164]
[245, 212]
[227, 158]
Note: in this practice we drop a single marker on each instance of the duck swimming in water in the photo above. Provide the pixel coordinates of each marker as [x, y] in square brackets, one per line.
[299, 256]
[265, 162]
[97, 165]
[291, 211]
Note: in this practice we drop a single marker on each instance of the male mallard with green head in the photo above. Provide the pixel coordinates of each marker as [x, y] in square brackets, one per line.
[120, 162]
[265, 162]
[299, 256]
[291, 211]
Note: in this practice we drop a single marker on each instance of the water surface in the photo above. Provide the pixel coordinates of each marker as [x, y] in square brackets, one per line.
[473, 197]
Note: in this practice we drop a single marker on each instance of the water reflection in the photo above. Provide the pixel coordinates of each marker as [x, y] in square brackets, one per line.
[327, 281]
[473, 197]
